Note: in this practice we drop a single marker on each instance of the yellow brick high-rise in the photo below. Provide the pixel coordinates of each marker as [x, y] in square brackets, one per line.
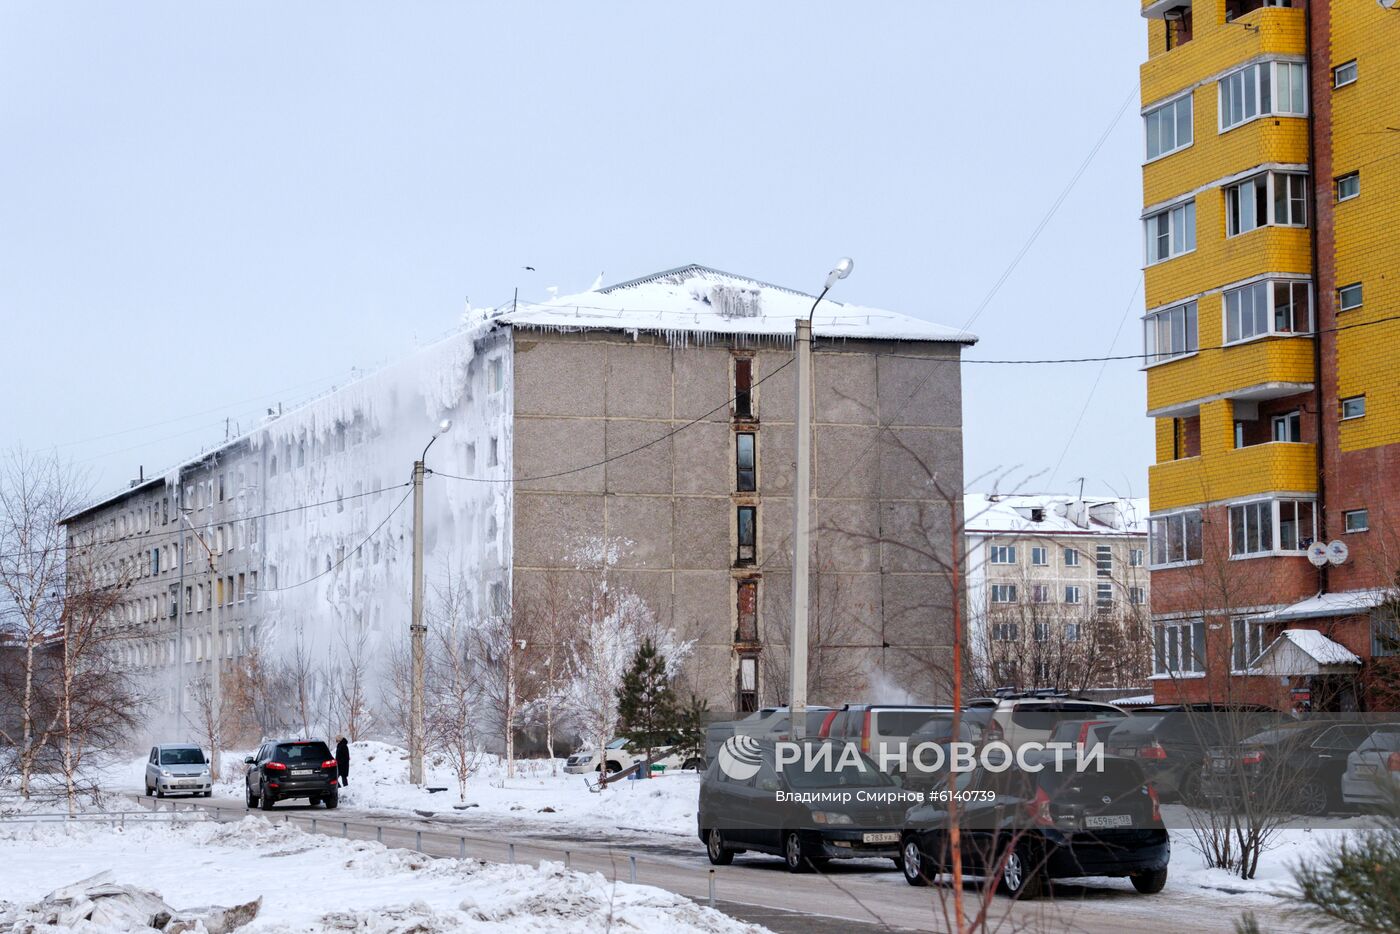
[1271, 217]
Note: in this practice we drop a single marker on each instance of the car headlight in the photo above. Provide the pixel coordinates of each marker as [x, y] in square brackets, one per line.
[830, 817]
[164, 773]
[583, 759]
[204, 774]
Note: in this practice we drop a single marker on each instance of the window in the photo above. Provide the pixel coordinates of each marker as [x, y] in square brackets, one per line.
[1288, 427]
[1071, 558]
[1040, 593]
[745, 471]
[1385, 634]
[1348, 186]
[1268, 307]
[1278, 198]
[1253, 526]
[1263, 88]
[1344, 74]
[1171, 232]
[1003, 593]
[1004, 632]
[747, 629]
[1295, 524]
[1071, 632]
[1179, 647]
[743, 387]
[1103, 560]
[1176, 538]
[495, 375]
[1040, 556]
[1246, 642]
[1003, 554]
[1137, 596]
[1349, 297]
[494, 457]
[1135, 557]
[1354, 407]
[1168, 127]
[1103, 597]
[1234, 9]
[1170, 333]
[1356, 520]
[1073, 594]
[1040, 632]
[746, 693]
[748, 534]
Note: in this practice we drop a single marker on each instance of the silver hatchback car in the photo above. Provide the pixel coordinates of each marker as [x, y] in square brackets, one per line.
[178, 768]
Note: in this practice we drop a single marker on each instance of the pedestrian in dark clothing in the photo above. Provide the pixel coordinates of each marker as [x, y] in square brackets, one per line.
[342, 760]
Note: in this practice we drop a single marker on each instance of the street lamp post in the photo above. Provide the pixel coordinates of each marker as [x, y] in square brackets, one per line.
[801, 532]
[416, 628]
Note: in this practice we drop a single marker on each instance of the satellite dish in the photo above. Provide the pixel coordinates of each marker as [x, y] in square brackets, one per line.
[1317, 554]
[1388, 4]
[1337, 552]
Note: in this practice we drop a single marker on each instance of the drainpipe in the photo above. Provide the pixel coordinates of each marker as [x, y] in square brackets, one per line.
[1320, 441]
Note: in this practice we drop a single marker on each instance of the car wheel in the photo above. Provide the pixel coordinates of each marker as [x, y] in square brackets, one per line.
[1020, 875]
[793, 853]
[714, 849]
[249, 798]
[1311, 798]
[159, 792]
[911, 862]
[209, 793]
[149, 791]
[614, 767]
[693, 765]
[332, 801]
[265, 800]
[1150, 883]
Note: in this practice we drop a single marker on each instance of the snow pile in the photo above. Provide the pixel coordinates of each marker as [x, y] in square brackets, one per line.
[98, 905]
[311, 883]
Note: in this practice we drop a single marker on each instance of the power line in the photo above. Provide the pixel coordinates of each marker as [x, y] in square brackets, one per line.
[345, 557]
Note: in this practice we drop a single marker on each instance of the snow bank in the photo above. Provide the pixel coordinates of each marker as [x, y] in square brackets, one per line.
[313, 883]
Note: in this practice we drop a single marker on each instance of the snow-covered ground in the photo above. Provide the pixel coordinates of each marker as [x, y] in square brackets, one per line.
[663, 804]
[316, 883]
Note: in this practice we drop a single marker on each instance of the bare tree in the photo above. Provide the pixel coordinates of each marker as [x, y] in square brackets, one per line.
[547, 616]
[346, 683]
[835, 669]
[499, 643]
[452, 705]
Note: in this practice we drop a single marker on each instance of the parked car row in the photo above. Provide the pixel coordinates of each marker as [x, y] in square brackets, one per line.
[1019, 828]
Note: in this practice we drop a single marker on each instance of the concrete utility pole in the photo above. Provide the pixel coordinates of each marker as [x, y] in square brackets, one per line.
[802, 496]
[416, 628]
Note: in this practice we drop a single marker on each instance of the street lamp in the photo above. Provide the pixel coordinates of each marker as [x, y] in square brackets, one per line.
[416, 628]
[802, 347]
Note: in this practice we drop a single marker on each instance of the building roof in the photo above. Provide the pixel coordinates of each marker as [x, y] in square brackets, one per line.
[689, 302]
[1323, 605]
[1051, 514]
[1303, 652]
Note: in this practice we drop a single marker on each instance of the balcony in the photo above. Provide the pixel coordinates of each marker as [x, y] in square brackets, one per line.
[1253, 371]
[1276, 467]
[1213, 44]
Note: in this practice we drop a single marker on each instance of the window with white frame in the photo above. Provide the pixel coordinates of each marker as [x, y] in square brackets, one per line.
[1353, 407]
[1263, 88]
[1071, 632]
[1179, 647]
[1246, 642]
[1041, 632]
[1349, 297]
[1137, 596]
[1271, 198]
[1271, 306]
[1170, 333]
[1135, 557]
[1003, 593]
[1168, 127]
[1267, 526]
[1288, 426]
[1073, 594]
[1171, 232]
[1103, 597]
[1071, 558]
[1344, 74]
[1103, 560]
[1356, 520]
[1004, 632]
[1040, 593]
[1003, 554]
[1176, 538]
[1348, 186]
[1040, 556]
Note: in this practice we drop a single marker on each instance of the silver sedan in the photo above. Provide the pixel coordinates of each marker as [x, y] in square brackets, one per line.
[178, 768]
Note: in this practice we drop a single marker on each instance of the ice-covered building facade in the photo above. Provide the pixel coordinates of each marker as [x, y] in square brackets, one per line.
[655, 416]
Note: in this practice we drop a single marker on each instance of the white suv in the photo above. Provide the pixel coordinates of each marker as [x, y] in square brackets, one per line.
[620, 756]
[1020, 720]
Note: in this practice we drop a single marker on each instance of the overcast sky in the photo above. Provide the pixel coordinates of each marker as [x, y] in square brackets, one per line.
[206, 211]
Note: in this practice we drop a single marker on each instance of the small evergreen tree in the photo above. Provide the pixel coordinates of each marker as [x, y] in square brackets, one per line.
[646, 704]
[691, 721]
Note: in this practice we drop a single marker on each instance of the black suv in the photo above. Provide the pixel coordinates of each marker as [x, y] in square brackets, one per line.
[1020, 828]
[294, 768]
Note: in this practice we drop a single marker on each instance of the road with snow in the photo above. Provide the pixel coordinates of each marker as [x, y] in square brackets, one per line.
[759, 889]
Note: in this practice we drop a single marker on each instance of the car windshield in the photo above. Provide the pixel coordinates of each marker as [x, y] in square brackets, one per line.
[312, 753]
[181, 757]
[617, 744]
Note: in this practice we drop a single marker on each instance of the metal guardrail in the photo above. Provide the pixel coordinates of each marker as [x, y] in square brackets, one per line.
[106, 817]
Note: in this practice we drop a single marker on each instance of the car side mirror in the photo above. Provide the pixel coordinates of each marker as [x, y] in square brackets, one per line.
[248, 760]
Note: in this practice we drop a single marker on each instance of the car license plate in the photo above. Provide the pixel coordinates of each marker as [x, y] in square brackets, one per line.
[1108, 820]
[889, 837]
[1220, 765]
[303, 771]
[1362, 768]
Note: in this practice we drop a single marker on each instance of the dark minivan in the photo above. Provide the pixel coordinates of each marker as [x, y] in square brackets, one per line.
[298, 768]
[742, 807]
[1022, 828]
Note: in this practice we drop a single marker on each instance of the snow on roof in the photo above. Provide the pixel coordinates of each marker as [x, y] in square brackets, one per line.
[1137, 700]
[1320, 651]
[690, 302]
[1053, 514]
[1342, 603]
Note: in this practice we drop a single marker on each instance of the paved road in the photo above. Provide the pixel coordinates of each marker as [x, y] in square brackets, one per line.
[850, 896]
